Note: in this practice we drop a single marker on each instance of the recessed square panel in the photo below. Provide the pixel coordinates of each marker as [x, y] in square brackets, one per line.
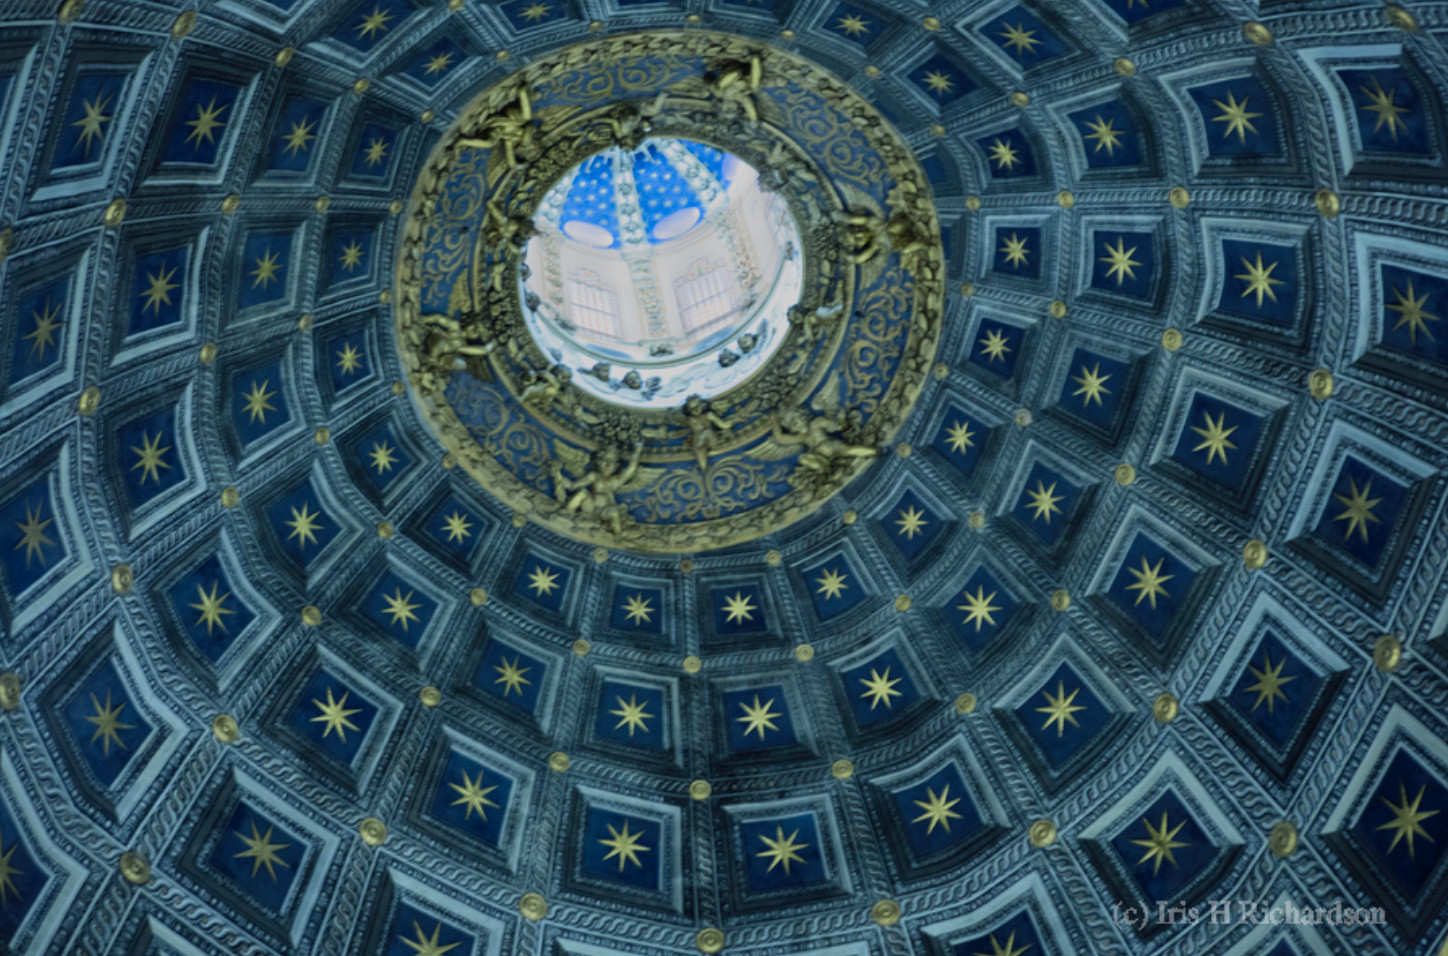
[960, 439]
[758, 719]
[784, 852]
[1123, 262]
[1151, 584]
[149, 460]
[472, 798]
[302, 526]
[1390, 111]
[879, 689]
[631, 715]
[259, 855]
[400, 608]
[259, 404]
[333, 715]
[26, 880]
[1362, 511]
[1260, 281]
[942, 80]
[157, 289]
[89, 119]
[205, 111]
[510, 675]
[1108, 135]
[1063, 716]
[1404, 827]
[36, 544]
[738, 610]
[296, 139]
[40, 323]
[1414, 304]
[979, 610]
[637, 609]
[855, 24]
[542, 582]
[833, 587]
[1217, 439]
[1238, 117]
[1017, 252]
[938, 812]
[1275, 690]
[1022, 37]
[1045, 503]
[1094, 387]
[265, 269]
[105, 723]
[622, 849]
[417, 933]
[1164, 848]
[347, 361]
[211, 614]
[1008, 154]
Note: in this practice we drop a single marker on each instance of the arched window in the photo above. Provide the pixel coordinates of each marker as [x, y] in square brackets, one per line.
[705, 295]
[592, 304]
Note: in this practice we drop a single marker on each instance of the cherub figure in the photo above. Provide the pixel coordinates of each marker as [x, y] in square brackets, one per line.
[631, 123]
[545, 386]
[705, 429]
[592, 493]
[511, 128]
[819, 434]
[908, 237]
[782, 164]
[449, 337]
[737, 84]
[814, 322]
[505, 230]
[864, 234]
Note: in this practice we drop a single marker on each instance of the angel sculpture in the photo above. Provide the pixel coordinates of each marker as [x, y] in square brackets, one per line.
[544, 386]
[783, 164]
[737, 84]
[631, 122]
[601, 477]
[814, 322]
[705, 429]
[908, 236]
[826, 451]
[864, 235]
[448, 339]
[510, 128]
[503, 229]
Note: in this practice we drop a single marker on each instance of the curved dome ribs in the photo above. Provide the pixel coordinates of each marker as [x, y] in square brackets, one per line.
[1147, 605]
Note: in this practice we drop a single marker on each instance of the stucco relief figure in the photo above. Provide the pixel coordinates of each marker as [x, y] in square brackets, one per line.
[869, 237]
[544, 386]
[814, 322]
[510, 128]
[503, 230]
[864, 234]
[825, 450]
[735, 85]
[450, 337]
[783, 164]
[828, 450]
[631, 123]
[599, 478]
[704, 427]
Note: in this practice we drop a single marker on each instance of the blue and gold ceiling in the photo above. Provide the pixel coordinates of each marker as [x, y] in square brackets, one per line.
[1143, 603]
